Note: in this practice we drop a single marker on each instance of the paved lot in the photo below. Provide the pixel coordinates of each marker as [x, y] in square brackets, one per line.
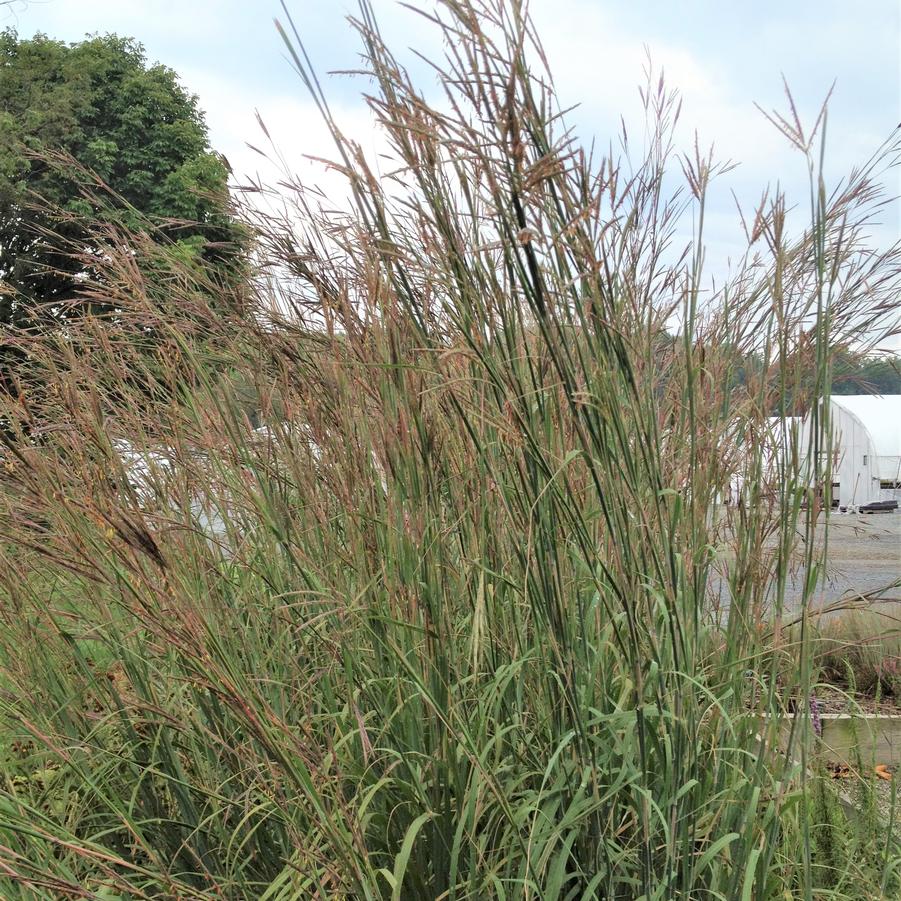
[863, 558]
[864, 555]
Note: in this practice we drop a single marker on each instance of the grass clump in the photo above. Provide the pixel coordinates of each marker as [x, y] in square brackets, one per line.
[445, 628]
[861, 650]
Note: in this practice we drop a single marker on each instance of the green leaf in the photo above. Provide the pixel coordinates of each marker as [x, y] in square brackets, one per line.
[403, 856]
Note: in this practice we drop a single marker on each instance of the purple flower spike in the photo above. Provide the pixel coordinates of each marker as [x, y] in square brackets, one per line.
[815, 716]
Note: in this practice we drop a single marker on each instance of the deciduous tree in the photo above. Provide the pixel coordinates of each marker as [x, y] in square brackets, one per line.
[134, 127]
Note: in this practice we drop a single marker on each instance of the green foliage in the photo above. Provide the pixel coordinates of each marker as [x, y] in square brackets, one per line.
[848, 838]
[134, 127]
[861, 374]
[467, 621]
[852, 373]
[861, 650]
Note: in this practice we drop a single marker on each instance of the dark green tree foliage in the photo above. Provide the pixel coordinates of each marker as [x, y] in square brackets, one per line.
[854, 374]
[133, 126]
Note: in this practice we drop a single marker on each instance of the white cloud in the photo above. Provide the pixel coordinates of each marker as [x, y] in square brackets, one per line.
[296, 145]
[229, 54]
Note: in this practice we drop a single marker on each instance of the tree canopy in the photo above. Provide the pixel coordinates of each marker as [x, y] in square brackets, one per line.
[131, 124]
[855, 374]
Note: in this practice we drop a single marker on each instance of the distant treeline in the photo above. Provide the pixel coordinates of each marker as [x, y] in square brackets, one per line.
[854, 374]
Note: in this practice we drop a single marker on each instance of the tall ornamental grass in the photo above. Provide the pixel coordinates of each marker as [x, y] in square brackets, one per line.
[468, 618]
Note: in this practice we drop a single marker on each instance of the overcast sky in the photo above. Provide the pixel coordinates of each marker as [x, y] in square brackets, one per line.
[722, 56]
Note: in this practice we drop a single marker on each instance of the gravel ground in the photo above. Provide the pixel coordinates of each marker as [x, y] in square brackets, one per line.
[864, 556]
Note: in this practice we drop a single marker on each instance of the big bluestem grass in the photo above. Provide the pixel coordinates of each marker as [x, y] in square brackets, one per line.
[468, 619]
